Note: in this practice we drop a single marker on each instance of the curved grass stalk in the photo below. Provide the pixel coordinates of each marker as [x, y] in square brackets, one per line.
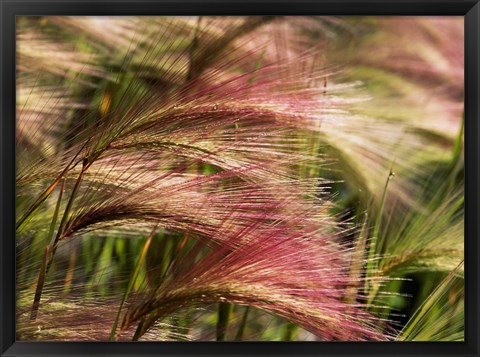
[441, 230]
[372, 264]
[228, 158]
[48, 191]
[46, 256]
[244, 274]
[358, 261]
[420, 319]
[50, 251]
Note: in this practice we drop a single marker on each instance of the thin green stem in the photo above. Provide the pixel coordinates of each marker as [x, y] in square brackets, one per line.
[428, 304]
[192, 50]
[357, 262]
[224, 312]
[456, 165]
[40, 283]
[47, 191]
[289, 332]
[372, 264]
[457, 149]
[43, 265]
[132, 280]
[55, 215]
[66, 214]
[243, 324]
[50, 250]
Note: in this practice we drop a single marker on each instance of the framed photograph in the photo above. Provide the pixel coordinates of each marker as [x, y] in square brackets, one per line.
[239, 178]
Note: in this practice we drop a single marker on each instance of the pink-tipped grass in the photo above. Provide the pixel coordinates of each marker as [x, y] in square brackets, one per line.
[217, 132]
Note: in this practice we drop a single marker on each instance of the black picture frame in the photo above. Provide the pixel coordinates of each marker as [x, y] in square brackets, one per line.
[9, 9]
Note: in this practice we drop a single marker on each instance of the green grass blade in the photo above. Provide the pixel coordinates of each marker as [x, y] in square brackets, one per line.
[47, 191]
[132, 280]
[408, 332]
[372, 264]
[457, 149]
[224, 312]
[46, 256]
[358, 258]
[40, 283]
[289, 332]
[55, 216]
[243, 324]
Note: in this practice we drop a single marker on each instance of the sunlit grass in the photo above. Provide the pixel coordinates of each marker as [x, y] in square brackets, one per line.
[244, 178]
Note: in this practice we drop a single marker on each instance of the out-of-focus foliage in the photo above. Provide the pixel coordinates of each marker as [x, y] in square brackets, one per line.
[239, 178]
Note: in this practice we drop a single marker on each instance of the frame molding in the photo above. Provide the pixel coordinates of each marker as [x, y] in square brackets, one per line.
[11, 8]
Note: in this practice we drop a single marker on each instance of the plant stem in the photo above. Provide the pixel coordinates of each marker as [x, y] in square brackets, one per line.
[224, 311]
[132, 280]
[433, 298]
[456, 164]
[48, 191]
[243, 324]
[357, 263]
[40, 282]
[289, 332]
[66, 213]
[43, 265]
[371, 263]
[50, 250]
[55, 215]
[192, 50]
[69, 275]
